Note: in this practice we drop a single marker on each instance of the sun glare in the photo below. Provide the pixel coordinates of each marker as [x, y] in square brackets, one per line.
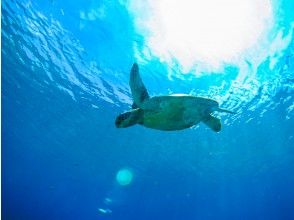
[205, 31]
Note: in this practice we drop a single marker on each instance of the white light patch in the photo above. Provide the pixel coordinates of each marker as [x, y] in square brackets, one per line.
[124, 177]
[210, 32]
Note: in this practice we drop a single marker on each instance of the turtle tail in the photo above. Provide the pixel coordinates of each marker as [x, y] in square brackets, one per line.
[225, 110]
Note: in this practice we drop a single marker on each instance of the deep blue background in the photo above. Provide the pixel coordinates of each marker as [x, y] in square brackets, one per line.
[65, 79]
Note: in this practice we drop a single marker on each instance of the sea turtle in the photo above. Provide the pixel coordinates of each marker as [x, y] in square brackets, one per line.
[167, 112]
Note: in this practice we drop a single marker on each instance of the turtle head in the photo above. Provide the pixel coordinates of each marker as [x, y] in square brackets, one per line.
[127, 119]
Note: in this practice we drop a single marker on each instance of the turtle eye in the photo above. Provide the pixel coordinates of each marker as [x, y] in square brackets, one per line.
[124, 116]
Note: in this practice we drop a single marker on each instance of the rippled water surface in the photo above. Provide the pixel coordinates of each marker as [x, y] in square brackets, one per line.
[65, 75]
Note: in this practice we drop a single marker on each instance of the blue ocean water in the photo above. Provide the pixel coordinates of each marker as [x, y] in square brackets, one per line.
[65, 74]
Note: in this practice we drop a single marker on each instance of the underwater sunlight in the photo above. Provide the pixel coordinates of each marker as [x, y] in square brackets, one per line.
[210, 32]
[92, 128]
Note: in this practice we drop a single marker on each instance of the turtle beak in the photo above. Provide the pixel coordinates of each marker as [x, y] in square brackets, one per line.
[118, 122]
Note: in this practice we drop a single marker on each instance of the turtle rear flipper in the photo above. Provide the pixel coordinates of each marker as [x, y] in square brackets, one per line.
[139, 92]
[212, 122]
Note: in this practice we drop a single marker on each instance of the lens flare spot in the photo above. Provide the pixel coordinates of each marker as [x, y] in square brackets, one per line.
[124, 177]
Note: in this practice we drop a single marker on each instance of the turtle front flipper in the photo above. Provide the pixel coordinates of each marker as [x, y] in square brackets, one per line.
[139, 92]
[212, 122]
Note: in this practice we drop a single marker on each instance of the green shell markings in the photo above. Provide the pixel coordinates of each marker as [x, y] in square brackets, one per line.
[167, 112]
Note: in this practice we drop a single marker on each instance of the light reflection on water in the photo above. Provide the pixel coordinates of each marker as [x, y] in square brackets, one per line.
[46, 47]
